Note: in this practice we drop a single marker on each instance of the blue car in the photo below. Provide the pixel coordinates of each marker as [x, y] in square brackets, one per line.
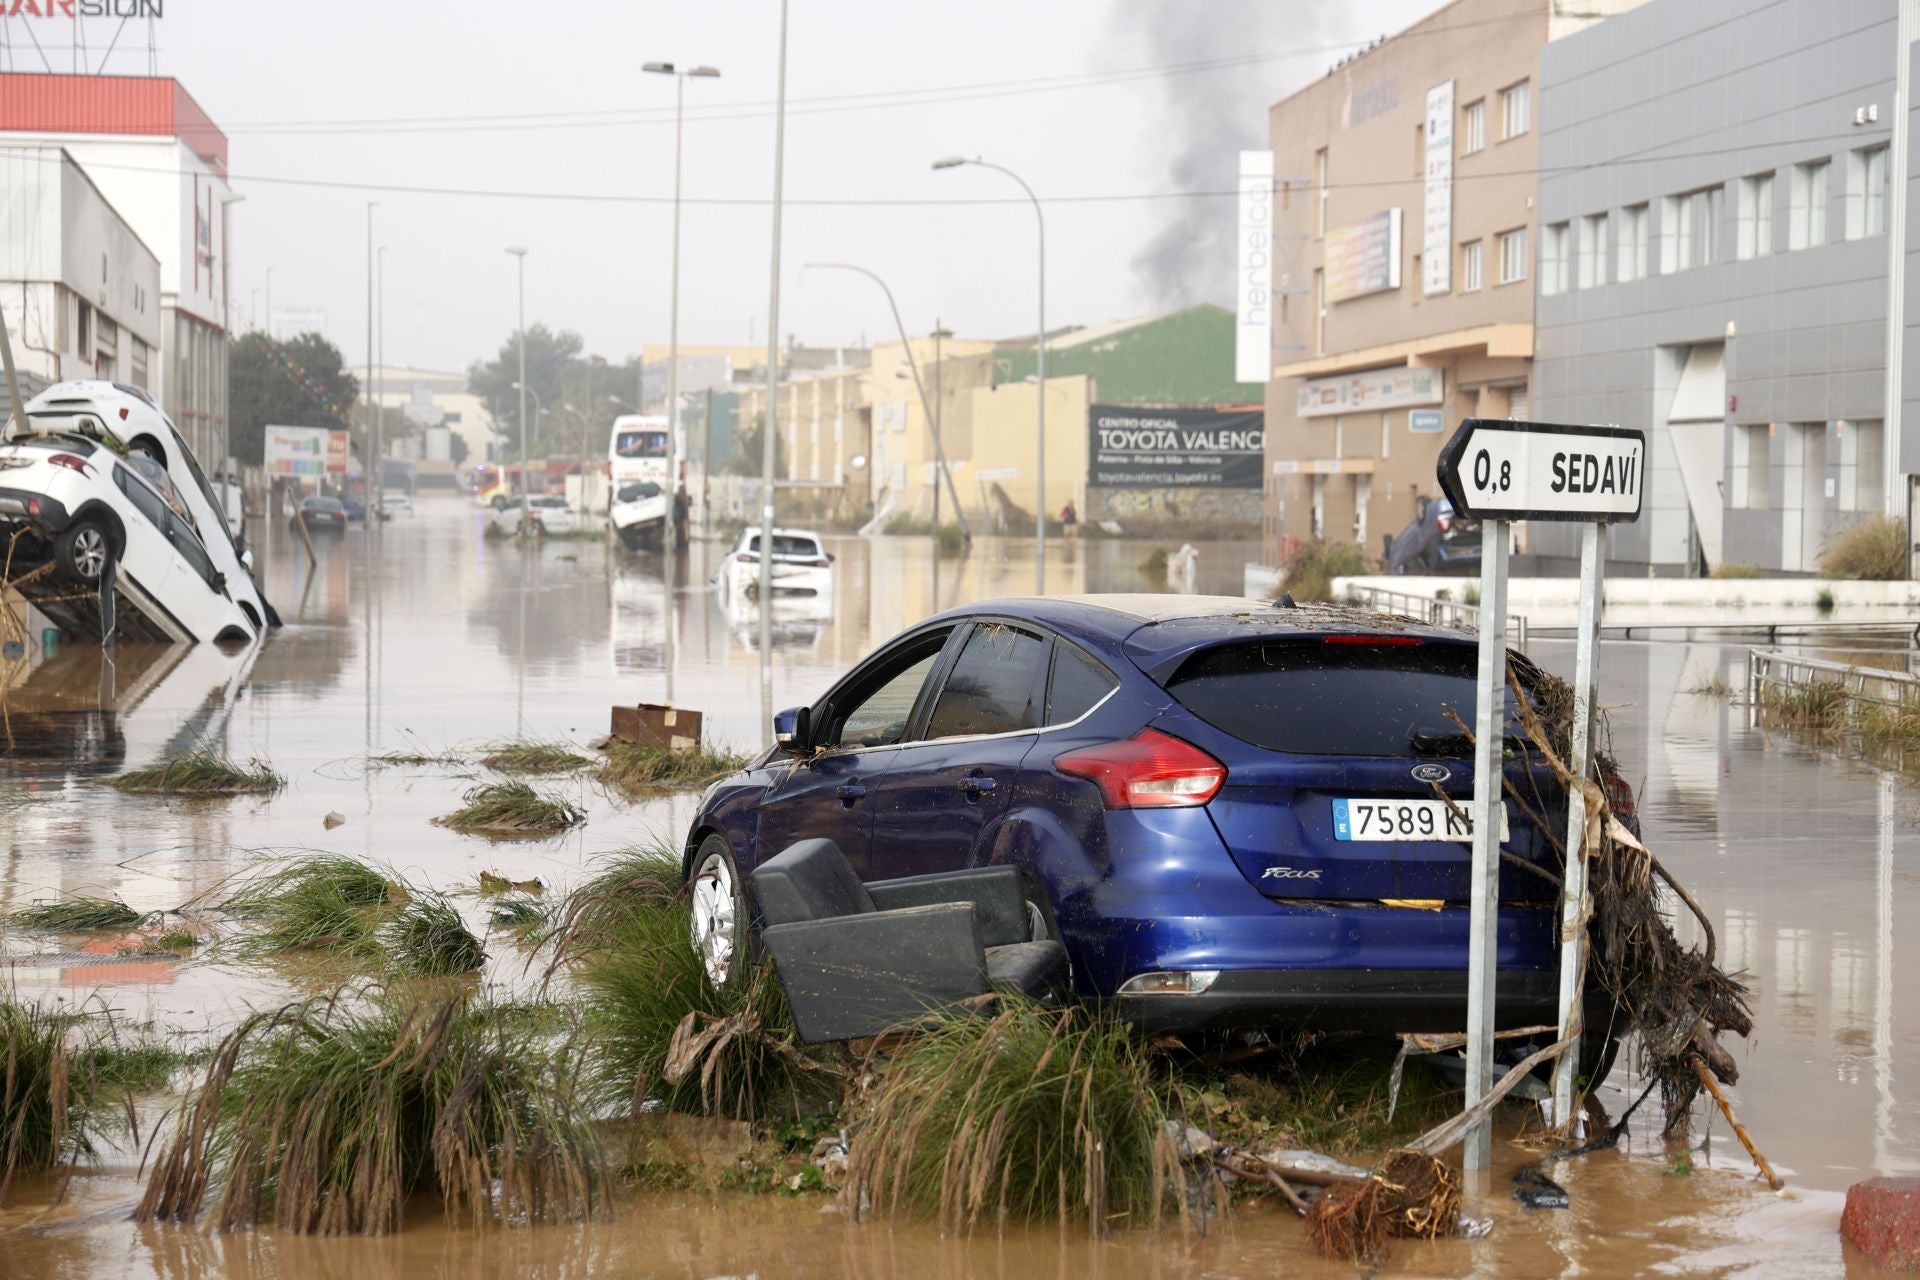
[1230, 813]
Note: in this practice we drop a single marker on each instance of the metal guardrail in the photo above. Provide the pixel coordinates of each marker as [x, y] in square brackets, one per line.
[1881, 685]
[1441, 613]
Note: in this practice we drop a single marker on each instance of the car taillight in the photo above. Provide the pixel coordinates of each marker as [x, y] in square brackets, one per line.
[33, 506]
[1445, 522]
[821, 563]
[71, 463]
[1150, 770]
[748, 557]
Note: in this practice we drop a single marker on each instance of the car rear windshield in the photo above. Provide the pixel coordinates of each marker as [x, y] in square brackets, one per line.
[1335, 696]
[635, 492]
[785, 546]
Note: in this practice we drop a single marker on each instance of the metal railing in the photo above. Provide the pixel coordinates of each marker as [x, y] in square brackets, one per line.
[1441, 613]
[1769, 668]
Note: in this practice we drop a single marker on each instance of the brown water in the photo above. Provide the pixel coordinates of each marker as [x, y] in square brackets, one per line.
[1806, 864]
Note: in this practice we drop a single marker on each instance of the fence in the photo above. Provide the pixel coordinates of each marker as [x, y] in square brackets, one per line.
[1441, 613]
[1769, 668]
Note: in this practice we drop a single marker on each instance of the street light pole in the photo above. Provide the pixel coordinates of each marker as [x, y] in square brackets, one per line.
[520, 252]
[1040, 345]
[367, 390]
[770, 425]
[673, 319]
[380, 394]
[939, 453]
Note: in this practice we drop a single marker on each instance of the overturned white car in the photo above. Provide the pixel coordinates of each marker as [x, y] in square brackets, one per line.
[638, 514]
[102, 505]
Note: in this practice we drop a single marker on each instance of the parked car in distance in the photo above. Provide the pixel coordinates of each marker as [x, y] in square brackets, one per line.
[802, 569]
[392, 504]
[1434, 541]
[321, 512]
[639, 514]
[1232, 814]
[550, 514]
[71, 501]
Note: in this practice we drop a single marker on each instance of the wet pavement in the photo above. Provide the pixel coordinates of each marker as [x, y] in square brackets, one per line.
[1808, 865]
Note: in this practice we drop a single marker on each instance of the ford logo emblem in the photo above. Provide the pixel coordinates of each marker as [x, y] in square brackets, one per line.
[1431, 773]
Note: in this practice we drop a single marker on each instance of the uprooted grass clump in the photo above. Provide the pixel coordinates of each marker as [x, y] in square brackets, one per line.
[322, 1117]
[527, 755]
[200, 773]
[53, 1103]
[74, 915]
[1034, 1113]
[1336, 1097]
[1875, 550]
[316, 902]
[1817, 709]
[513, 808]
[428, 938]
[1312, 569]
[635, 766]
[659, 1029]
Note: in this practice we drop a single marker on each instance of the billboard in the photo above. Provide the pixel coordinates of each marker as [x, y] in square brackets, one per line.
[1253, 284]
[1130, 447]
[304, 451]
[1364, 257]
[1394, 387]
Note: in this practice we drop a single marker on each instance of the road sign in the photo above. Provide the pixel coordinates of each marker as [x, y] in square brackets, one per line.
[1496, 469]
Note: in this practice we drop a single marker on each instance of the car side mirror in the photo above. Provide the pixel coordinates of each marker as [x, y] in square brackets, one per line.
[219, 584]
[246, 560]
[790, 729]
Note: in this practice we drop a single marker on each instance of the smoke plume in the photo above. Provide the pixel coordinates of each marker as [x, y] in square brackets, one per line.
[1209, 117]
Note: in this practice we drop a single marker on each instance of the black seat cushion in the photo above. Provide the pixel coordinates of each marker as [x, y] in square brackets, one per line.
[1031, 968]
[809, 880]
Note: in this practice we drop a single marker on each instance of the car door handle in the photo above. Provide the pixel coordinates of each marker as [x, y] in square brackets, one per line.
[976, 787]
[850, 792]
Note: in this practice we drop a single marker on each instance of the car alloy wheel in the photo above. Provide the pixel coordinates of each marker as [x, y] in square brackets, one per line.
[90, 553]
[715, 916]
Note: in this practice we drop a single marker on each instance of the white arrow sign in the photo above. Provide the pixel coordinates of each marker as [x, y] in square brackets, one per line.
[1496, 469]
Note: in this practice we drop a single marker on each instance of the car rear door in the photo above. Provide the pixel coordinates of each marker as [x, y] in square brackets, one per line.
[856, 733]
[1347, 776]
[945, 791]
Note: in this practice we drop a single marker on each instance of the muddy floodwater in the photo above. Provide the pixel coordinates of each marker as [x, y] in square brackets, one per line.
[440, 640]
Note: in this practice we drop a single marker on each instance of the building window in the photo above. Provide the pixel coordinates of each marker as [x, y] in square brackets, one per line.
[1688, 223]
[1513, 255]
[83, 337]
[1755, 239]
[1591, 252]
[1319, 312]
[1470, 270]
[1516, 110]
[1553, 258]
[1632, 251]
[1320, 191]
[1866, 452]
[1752, 458]
[138, 360]
[1809, 214]
[1420, 149]
[1473, 126]
[1867, 192]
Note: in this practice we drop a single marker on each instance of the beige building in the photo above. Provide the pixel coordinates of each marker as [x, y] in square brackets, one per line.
[1405, 242]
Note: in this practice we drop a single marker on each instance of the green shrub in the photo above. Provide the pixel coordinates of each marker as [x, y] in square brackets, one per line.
[1033, 1114]
[324, 1116]
[1735, 571]
[315, 902]
[52, 1099]
[1875, 551]
[1313, 567]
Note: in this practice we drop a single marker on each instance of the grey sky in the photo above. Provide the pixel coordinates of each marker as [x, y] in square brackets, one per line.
[601, 268]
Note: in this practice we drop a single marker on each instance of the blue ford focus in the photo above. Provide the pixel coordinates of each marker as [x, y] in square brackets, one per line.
[1231, 814]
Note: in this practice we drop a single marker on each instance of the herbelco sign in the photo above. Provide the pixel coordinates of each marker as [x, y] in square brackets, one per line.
[1134, 448]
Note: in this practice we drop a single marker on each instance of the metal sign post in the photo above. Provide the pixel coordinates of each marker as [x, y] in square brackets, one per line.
[1573, 893]
[1499, 471]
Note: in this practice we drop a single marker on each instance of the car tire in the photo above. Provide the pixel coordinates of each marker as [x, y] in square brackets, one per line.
[717, 912]
[83, 550]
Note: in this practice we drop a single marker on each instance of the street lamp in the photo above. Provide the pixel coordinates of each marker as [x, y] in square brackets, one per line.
[933, 426]
[680, 76]
[1040, 343]
[520, 252]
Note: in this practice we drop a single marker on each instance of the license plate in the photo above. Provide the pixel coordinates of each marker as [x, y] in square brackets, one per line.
[1355, 819]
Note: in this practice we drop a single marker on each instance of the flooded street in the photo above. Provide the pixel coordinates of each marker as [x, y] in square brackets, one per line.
[1808, 864]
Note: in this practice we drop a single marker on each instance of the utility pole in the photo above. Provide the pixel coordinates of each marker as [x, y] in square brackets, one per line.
[940, 335]
[378, 487]
[520, 252]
